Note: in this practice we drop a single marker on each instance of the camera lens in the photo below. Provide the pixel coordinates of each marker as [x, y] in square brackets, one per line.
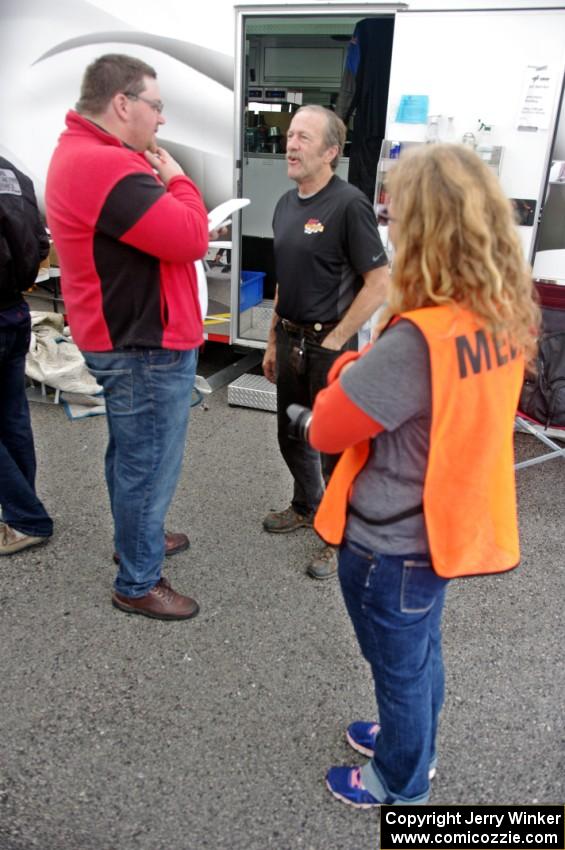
[299, 418]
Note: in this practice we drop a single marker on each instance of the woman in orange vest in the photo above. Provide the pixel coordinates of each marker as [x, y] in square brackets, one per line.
[424, 491]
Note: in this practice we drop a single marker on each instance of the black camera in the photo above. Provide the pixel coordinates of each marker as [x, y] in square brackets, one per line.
[299, 421]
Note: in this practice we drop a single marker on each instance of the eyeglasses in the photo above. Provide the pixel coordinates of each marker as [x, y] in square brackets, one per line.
[156, 105]
[383, 215]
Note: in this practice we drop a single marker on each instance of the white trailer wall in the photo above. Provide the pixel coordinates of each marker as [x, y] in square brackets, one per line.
[180, 39]
[474, 65]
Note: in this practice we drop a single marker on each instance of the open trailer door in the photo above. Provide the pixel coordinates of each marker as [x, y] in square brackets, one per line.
[455, 71]
[285, 56]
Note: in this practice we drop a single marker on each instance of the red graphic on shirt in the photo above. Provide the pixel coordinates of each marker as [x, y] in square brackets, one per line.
[313, 226]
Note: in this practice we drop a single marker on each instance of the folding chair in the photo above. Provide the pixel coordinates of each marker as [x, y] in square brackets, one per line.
[530, 426]
[552, 302]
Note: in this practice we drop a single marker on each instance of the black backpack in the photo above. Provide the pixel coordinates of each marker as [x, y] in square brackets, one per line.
[543, 392]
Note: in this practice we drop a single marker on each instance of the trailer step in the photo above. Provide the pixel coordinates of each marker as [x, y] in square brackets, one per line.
[253, 391]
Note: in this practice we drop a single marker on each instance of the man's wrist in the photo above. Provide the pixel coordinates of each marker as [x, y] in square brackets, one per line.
[335, 339]
[272, 337]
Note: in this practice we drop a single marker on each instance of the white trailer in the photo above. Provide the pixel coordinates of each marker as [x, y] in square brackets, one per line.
[473, 63]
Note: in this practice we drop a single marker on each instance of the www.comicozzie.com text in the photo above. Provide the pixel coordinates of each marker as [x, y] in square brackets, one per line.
[502, 822]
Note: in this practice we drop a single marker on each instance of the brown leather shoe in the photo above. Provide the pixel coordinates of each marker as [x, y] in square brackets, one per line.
[161, 603]
[174, 542]
[281, 522]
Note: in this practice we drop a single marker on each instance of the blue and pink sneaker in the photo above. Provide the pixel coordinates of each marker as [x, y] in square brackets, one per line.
[346, 785]
[361, 736]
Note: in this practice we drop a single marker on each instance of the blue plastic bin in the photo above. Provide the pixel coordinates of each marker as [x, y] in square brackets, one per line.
[251, 289]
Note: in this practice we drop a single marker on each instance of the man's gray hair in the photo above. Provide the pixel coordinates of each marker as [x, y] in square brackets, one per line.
[335, 132]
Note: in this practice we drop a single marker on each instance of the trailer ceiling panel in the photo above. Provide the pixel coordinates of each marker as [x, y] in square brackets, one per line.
[343, 25]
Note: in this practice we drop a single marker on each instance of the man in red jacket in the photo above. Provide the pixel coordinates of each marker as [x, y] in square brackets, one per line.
[128, 226]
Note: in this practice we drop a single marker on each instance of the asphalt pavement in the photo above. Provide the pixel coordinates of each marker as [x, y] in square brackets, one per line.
[122, 733]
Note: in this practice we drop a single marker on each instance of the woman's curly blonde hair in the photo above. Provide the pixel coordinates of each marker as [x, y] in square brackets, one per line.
[457, 243]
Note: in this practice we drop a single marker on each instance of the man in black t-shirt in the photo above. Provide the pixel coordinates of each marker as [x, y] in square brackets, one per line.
[332, 274]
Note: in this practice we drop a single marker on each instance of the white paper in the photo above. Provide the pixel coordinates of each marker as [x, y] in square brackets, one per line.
[222, 212]
[536, 103]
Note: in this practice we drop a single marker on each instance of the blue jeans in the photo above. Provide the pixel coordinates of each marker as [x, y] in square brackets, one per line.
[395, 603]
[21, 509]
[147, 393]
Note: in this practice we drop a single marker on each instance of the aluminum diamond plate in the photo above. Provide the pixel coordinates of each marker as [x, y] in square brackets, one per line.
[253, 391]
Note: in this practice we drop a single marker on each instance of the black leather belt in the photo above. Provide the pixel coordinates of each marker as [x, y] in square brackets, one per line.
[315, 327]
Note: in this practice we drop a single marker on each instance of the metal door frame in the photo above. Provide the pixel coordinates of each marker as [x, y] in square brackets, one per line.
[327, 10]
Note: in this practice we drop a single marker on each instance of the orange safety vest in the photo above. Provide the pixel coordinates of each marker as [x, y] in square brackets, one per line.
[469, 496]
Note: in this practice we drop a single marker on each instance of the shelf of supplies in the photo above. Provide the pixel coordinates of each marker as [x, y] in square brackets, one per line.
[491, 156]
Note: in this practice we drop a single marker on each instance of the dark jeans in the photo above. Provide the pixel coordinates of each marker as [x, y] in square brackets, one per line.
[299, 379]
[21, 509]
[395, 603]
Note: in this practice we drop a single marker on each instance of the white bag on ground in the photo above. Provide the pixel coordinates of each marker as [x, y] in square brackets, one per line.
[53, 358]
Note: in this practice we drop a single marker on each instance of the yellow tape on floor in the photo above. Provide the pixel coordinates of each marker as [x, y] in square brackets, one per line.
[217, 319]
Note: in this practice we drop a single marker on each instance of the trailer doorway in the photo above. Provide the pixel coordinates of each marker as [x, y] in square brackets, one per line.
[285, 60]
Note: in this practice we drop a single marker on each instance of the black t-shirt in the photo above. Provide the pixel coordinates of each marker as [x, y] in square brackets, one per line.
[323, 245]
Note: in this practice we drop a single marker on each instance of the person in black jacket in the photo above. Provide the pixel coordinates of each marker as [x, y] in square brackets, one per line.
[23, 244]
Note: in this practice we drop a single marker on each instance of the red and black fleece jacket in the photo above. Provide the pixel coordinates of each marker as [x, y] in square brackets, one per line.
[126, 244]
